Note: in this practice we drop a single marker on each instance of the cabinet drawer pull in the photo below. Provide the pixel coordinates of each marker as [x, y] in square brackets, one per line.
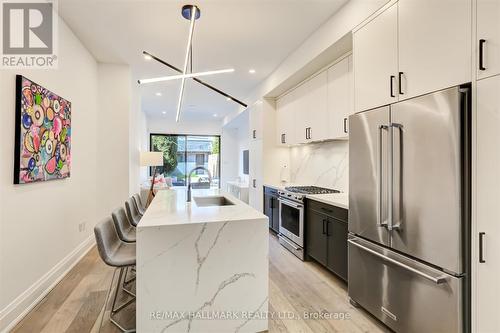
[254, 134]
[481, 54]
[345, 125]
[254, 183]
[392, 85]
[481, 247]
[283, 138]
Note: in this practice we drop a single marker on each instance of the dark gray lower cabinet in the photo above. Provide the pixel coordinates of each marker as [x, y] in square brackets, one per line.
[326, 236]
[271, 208]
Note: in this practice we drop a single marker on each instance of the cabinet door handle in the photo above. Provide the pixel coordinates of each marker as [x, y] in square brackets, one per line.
[254, 134]
[481, 247]
[254, 183]
[392, 85]
[481, 54]
[400, 83]
[345, 125]
[283, 138]
[328, 228]
[324, 227]
[310, 133]
[307, 130]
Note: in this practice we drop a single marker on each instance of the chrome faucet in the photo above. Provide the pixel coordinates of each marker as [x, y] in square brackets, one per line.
[188, 199]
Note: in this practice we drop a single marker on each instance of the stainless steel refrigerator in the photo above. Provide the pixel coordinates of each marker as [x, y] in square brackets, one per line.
[409, 212]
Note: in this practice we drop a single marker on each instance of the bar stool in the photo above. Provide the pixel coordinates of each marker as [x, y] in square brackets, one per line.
[115, 253]
[138, 204]
[133, 214]
[126, 231]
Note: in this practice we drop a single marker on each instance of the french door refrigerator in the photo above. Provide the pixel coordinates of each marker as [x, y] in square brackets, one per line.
[409, 212]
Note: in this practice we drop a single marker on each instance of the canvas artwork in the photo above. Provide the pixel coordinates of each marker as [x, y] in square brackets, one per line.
[43, 134]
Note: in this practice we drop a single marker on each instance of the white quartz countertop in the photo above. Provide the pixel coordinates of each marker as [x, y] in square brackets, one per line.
[169, 207]
[335, 199]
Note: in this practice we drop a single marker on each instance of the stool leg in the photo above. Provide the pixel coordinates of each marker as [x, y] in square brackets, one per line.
[119, 308]
[108, 295]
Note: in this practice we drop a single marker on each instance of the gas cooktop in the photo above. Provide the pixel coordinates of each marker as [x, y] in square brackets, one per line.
[310, 190]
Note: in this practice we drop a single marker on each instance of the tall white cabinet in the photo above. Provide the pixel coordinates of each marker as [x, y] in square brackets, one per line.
[265, 157]
[487, 237]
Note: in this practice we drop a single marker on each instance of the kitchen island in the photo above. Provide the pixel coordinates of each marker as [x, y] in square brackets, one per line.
[202, 266]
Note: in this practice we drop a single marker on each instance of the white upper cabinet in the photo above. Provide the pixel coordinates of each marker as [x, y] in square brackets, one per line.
[312, 114]
[285, 119]
[488, 38]
[434, 45]
[340, 93]
[256, 121]
[375, 61]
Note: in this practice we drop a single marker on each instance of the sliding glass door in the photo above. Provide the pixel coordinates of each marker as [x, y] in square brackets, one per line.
[198, 155]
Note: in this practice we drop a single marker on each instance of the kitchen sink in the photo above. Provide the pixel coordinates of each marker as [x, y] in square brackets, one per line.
[212, 201]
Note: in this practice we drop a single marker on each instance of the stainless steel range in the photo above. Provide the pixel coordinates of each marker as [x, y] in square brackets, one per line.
[291, 210]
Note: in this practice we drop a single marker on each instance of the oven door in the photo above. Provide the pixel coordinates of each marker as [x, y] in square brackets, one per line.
[292, 221]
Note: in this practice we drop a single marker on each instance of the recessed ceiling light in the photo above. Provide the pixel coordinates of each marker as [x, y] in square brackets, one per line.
[215, 114]
[228, 99]
[158, 94]
[147, 57]
[164, 112]
[251, 71]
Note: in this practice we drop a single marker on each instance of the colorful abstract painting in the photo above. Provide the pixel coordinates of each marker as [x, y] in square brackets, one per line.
[43, 134]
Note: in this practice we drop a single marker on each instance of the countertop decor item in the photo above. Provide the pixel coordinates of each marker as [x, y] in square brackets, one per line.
[42, 135]
[151, 159]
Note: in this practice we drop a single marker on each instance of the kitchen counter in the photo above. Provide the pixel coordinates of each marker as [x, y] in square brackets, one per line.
[335, 199]
[196, 263]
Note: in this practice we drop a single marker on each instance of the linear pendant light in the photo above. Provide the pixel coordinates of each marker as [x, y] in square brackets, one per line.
[191, 13]
[185, 76]
[194, 9]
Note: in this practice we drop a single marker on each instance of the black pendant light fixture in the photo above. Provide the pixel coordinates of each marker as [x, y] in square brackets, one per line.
[191, 13]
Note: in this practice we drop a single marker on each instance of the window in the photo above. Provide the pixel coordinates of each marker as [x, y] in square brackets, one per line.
[183, 153]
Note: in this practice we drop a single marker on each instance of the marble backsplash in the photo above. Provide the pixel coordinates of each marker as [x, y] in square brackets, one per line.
[323, 164]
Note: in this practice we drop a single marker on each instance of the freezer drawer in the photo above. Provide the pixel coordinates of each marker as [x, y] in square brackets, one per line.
[406, 295]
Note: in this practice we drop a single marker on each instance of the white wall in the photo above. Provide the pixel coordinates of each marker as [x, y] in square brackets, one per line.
[113, 160]
[165, 125]
[234, 139]
[39, 223]
[138, 140]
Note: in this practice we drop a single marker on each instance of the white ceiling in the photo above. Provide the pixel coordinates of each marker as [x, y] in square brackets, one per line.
[240, 34]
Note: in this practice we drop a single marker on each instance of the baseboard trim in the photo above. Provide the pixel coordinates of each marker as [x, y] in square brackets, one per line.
[13, 313]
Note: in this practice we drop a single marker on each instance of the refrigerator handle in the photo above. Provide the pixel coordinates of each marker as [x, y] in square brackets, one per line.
[391, 225]
[436, 279]
[380, 192]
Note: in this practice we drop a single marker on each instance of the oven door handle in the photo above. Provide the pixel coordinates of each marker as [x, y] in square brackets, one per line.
[290, 203]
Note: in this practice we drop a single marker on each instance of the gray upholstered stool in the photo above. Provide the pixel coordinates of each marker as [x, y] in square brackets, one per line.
[118, 254]
[138, 204]
[133, 214]
[126, 231]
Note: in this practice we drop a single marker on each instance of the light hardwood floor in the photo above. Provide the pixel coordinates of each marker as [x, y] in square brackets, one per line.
[75, 304]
